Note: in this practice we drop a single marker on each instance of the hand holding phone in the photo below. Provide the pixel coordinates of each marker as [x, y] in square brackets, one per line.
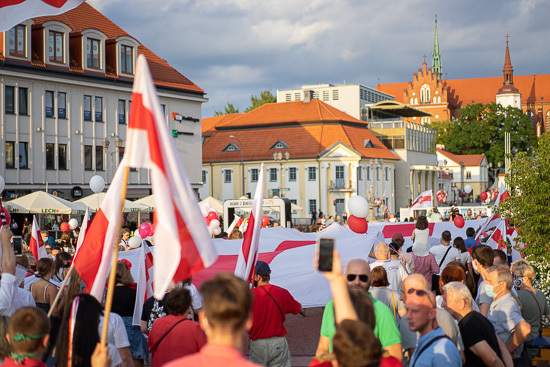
[325, 253]
[17, 242]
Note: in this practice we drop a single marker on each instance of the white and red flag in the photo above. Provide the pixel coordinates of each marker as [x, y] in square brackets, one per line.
[248, 254]
[36, 243]
[498, 238]
[237, 222]
[183, 245]
[13, 12]
[423, 201]
[83, 228]
[144, 281]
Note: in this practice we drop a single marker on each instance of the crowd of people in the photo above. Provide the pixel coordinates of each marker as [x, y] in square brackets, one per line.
[458, 303]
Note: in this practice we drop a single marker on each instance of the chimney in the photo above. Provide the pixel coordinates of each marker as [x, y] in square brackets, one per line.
[308, 95]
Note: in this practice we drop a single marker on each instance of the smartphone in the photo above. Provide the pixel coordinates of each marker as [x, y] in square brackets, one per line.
[17, 245]
[325, 249]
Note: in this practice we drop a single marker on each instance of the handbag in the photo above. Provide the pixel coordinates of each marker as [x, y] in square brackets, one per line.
[539, 341]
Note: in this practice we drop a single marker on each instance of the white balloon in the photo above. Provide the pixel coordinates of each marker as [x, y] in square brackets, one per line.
[210, 230]
[73, 223]
[204, 210]
[213, 210]
[206, 205]
[214, 223]
[217, 231]
[135, 241]
[2, 184]
[467, 189]
[358, 206]
[97, 184]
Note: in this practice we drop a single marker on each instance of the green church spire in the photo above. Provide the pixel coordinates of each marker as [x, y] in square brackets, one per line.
[437, 68]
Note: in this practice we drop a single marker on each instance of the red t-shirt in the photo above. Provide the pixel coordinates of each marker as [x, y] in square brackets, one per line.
[27, 362]
[267, 317]
[184, 339]
[214, 355]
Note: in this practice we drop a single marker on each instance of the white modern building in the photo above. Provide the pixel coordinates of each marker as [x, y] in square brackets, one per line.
[66, 90]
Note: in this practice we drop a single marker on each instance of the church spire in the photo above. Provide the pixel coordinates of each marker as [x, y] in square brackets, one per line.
[508, 73]
[437, 68]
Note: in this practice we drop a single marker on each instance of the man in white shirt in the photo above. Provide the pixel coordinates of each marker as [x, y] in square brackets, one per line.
[394, 269]
[444, 254]
[9, 296]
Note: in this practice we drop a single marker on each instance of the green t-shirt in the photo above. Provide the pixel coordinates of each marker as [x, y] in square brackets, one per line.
[385, 330]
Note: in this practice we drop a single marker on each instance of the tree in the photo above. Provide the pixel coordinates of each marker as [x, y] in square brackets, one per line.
[481, 129]
[527, 206]
[229, 109]
[265, 97]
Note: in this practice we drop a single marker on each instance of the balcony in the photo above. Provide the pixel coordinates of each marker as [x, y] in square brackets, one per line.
[340, 185]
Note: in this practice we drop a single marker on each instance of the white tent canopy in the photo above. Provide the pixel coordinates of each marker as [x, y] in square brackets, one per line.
[214, 204]
[148, 201]
[43, 203]
[94, 202]
[14, 208]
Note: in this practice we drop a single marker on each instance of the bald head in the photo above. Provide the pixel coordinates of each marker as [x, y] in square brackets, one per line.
[413, 281]
[358, 274]
[421, 311]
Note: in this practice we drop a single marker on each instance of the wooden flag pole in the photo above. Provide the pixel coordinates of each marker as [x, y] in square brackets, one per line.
[112, 275]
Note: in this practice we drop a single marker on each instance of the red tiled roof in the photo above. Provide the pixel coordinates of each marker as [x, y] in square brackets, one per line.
[467, 159]
[86, 17]
[308, 134]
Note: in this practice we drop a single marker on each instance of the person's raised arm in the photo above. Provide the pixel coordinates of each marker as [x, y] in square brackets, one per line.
[8, 256]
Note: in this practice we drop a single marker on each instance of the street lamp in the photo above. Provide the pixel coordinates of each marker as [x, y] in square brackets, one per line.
[118, 144]
[278, 157]
[242, 161]
[105, 144]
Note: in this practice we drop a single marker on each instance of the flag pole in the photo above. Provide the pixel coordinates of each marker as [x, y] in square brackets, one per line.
[60, 290]
[112, 275]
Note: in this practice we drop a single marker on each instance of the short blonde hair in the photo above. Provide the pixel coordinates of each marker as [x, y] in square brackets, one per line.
[382, 248]
[525, 269]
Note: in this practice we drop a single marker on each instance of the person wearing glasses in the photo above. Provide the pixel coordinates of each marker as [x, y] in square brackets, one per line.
[358, 277]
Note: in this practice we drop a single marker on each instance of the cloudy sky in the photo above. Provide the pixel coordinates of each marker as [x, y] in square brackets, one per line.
[235, 48]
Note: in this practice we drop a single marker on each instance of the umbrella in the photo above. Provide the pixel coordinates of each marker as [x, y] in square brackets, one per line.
[43, 203]
[296, 209]
[148, 201]
[94, 202]
[14, 208]
[214, 204]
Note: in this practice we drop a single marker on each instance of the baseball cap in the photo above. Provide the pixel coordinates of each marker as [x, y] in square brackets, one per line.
[397, 236]
[262, 268]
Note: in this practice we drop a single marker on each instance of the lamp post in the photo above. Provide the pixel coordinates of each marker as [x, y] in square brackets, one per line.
[462, 180]
[118, 144]
[242, 161]
[105, 143]
[278, 157]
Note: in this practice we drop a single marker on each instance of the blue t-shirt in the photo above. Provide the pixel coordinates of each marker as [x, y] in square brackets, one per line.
[470, 242]
[442, 352]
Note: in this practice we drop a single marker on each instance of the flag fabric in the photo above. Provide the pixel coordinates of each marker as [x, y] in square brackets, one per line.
[94, 256]
[83, 228]
[236, 223]
[501, 191]
[183, 243]
[249, 250]
[244, 226]
[36, 243]
[13, 12]
[498, 237]
[144, 281]
[72, 324]
[423, 201]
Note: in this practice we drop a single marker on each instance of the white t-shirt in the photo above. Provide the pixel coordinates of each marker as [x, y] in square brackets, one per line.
[196, 299]
[395, 272]
[465, 258]
[116, 332]
[439, 252]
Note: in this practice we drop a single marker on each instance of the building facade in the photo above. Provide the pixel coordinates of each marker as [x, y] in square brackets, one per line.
[66, 89]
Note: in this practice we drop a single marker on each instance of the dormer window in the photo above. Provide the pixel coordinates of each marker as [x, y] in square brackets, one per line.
[126, 59]
[280, 145]
[231, 147]
[56, 46]
[17, 44]
[93, 47]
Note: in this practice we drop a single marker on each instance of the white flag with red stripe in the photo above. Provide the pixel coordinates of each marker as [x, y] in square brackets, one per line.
[13, 12]
[236, 223]
[251, 242]
[183, 245]
[144, 281]
[423, 201]
[36, 243]
[83, 228]
[94, 256]
[498, 238]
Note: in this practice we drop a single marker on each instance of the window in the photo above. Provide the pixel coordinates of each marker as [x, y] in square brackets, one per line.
[23, 101]
[425, 93]
[468, 175]
[62, 105]
[56, 46]
[62, 156]
[87, 108]
[359, 173]
[279, 146]
[377, 173]
[23, 154]
[315, 95]
[99, 158]
[49, 103]
[335, 95]
[50, 156]
[98, 107]
[294, 201]
[92, 53]
[386, 173]
[17, 41]
[126, 59]
[312, 205]
[88, 151]
[339, 172]
[254, 175]
[227, 176]
[10, 154]
[203, 176]
[297, 96]
[9, 99]
[312, 173]
[273, 174]
[325, 95]
[121, 111]
[292, 174]
[368, 173]
[288, 97]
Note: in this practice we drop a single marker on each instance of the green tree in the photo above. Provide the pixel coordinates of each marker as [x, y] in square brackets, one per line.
[444, 131]
[265, 97]
[229, 109]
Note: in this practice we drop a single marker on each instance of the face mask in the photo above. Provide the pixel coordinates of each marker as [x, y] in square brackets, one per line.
[490, 290]
[518, 283]
[474, 265]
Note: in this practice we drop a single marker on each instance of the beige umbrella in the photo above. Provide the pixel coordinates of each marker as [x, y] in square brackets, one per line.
[14, 208]
[296, 209]
[94, 202]
[214, 204]
[44, 203]
[148, 201]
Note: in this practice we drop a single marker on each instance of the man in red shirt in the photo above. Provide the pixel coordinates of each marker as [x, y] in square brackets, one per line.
[268, 345]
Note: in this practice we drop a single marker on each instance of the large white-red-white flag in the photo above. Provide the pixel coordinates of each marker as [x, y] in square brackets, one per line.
[248, 254]
[13, 12]
[83, 228]
[94, 256]
[36, 243]
[144, 281]
[237, 222]
[183, 245]
[498, 237]
[423, 201]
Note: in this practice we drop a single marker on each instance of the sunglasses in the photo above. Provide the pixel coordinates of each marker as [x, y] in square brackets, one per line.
[420, 293]
[362, 277]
